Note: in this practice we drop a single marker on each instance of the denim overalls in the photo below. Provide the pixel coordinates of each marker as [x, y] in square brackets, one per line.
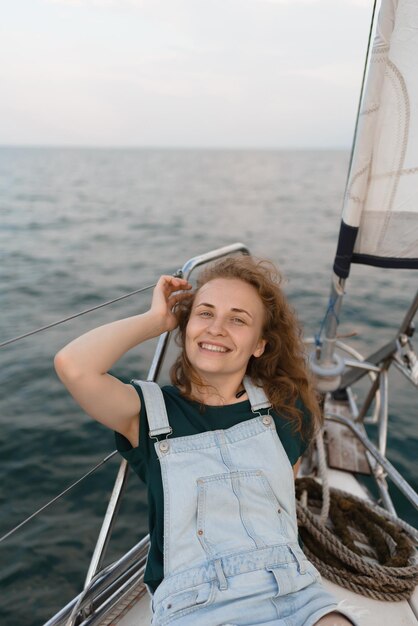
[231, 552]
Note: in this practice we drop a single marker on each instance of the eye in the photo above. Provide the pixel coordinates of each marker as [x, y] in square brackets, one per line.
[205, 314]
[238, 320]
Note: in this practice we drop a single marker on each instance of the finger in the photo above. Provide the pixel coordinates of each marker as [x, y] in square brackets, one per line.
[173, 283]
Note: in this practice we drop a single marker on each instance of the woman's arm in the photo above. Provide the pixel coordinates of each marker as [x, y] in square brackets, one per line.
[83, 364]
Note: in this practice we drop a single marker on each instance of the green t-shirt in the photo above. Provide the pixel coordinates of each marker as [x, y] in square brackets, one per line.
[187, 418]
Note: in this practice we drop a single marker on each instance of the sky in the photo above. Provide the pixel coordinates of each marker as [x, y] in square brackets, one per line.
[182, 73]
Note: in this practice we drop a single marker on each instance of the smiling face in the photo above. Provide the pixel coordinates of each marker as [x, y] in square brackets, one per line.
[224, 329]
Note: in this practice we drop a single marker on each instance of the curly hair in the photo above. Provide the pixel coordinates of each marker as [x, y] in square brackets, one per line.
[281, 370]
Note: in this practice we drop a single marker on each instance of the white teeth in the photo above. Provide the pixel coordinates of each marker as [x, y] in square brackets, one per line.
[209, 346]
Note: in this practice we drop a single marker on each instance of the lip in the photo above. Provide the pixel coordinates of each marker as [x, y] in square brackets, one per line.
[213, 343]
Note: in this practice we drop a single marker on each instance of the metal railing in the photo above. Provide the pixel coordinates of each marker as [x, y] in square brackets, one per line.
[399, 352]
[391, 471]
[105, 586]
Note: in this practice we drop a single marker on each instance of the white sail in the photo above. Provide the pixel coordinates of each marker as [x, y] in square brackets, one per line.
[380, 213]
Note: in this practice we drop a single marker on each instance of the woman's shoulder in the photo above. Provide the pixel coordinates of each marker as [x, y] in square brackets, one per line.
[299, 404]
[175, 403]
[296, 437]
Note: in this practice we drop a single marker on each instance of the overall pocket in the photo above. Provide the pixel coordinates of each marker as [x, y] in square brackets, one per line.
[183, 602]
[236, 511]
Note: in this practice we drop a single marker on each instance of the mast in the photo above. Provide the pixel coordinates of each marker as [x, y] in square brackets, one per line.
[379, 223]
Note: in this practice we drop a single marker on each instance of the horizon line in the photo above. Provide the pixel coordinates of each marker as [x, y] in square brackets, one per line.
[168, 147]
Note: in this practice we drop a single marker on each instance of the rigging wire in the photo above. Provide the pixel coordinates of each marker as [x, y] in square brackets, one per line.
[363, 81]
[96, 467]
[330, 311]
[93, 469]
[71, 317]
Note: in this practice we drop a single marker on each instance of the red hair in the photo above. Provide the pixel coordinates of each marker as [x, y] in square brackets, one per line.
[281, 370]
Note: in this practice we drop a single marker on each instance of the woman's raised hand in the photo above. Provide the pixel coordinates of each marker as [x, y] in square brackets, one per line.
[83, 365]
[168, 292]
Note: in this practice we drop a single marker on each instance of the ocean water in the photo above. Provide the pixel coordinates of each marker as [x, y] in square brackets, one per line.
[79, 227]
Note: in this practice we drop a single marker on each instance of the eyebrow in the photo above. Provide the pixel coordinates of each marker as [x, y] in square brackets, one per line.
[234, 309]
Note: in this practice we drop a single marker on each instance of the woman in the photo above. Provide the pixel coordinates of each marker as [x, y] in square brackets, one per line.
[216, 448]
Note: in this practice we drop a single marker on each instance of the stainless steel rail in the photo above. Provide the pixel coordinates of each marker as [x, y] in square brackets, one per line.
[378, 393]
[391, 471]
[387, 351]
[105, 583]
[109, 521]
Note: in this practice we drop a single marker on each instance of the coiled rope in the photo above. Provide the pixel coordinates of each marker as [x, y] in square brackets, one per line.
[358, 546]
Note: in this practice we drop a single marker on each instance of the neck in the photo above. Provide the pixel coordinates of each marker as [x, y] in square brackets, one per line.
[219, 392]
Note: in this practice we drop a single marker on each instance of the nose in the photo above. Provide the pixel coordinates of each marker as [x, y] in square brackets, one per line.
[216, 327]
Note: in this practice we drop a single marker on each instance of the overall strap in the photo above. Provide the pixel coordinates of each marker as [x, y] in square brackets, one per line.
[155, 406]
[256, 395]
